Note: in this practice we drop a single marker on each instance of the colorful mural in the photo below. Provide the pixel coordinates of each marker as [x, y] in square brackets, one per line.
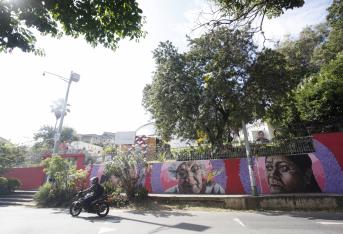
[317, 172]
[321, 171]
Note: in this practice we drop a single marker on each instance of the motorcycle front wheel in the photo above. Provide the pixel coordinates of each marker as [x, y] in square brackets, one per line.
[102, 209]
[75, 209]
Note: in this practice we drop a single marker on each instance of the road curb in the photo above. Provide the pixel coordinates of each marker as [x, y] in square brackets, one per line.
[298, 202]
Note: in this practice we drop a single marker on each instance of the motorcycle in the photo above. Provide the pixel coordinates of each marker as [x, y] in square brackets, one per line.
[100, 206]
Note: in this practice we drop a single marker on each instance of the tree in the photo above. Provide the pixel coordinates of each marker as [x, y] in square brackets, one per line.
[10, 155]
[313, 63]
[334, 43]
[57, 108]
[45, 137]
[237, 13]
[320, 99]
[299, 52]
[213, 87]
[99, 22]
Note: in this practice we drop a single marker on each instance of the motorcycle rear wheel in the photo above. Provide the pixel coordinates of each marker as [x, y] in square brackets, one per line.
[75, 209]
[102, 209]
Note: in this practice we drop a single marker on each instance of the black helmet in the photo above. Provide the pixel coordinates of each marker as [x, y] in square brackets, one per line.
[94, 180]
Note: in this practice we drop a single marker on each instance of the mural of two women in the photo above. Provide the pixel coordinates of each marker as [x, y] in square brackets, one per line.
[283, 174]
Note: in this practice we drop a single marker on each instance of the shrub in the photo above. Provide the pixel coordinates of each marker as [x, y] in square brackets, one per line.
[129, 169]
[65, 182]
[142, 194]
[3, 185]
[13, 184]
[8, 185]
[43, 196]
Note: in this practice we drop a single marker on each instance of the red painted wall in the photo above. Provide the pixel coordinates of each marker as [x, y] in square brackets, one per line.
[34, 177]
[334, 141]
[30, 178]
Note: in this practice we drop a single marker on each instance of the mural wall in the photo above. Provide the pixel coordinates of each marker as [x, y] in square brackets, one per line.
[321, 171]
[308, 173]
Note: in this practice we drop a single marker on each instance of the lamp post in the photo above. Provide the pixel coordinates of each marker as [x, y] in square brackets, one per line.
[73, 77]
[249, 159]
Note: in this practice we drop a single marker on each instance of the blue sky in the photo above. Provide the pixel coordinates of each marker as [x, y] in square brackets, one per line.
[108, 96]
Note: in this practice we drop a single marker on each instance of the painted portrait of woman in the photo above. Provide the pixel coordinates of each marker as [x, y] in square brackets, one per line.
[290, 174]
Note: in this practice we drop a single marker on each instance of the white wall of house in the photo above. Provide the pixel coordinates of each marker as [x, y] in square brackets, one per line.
[254, 128]
[93, 150]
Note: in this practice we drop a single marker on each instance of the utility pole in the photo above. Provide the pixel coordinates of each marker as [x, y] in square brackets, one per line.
[73, 77]
[250, 161]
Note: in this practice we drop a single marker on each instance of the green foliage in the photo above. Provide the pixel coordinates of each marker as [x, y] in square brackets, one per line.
[314, 64]
[13, 184]
[98, 22]
[243, 12]
[129, 169]
[10, 155]
[8, 185]
[66, 180]
[110, 150]
[116, 198]
[320, 99]
[206, 92]
[119, 200]
[334, 43]
[3, 185]
[142, 194]
[45, 138]
[44, 195]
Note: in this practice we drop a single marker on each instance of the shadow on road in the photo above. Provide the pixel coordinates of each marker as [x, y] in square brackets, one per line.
[156, 213]
[94, 219]
[315, 215]
[116, 219]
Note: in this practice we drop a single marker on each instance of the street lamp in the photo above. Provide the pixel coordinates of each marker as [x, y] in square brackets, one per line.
[73, 77]
[250, 161]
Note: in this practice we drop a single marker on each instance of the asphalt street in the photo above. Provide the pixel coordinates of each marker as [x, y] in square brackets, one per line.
[29, 220]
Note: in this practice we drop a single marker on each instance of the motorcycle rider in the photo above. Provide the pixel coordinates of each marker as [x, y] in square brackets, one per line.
[93, 192]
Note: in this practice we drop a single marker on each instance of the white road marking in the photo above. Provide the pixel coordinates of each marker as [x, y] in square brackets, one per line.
[105, 230]
[329, 223]
[239, 221]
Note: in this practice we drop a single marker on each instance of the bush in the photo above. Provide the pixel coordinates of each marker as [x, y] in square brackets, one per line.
[65, 181]
[3, 185]
[142, 194]
[118, 200]
[50, 196]
[13, 184]
[43, 196]
[129, 169]
[8, 185]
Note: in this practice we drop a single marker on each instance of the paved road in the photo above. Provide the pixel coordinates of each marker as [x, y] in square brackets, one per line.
[28, 220]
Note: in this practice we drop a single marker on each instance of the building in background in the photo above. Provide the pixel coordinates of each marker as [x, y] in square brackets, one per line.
[107, 138]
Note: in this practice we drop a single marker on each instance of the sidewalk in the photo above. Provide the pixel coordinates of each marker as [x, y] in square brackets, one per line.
[309, 201]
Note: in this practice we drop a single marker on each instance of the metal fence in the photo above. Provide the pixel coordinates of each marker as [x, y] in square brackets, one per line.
[294, 146]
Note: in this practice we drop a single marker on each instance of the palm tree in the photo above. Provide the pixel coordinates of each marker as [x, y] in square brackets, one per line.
[57, 109]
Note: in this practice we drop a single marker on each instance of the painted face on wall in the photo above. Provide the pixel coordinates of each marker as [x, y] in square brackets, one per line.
[189, 175]
[284, 176]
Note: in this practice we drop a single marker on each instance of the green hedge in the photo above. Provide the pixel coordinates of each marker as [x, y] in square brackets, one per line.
[8, 185]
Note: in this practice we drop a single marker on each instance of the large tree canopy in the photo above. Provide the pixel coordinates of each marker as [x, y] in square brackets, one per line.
[243, 12]
[213, 87]
[98, 21]
[314, 63]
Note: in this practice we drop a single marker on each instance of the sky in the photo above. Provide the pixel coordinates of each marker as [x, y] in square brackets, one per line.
[109, 94]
